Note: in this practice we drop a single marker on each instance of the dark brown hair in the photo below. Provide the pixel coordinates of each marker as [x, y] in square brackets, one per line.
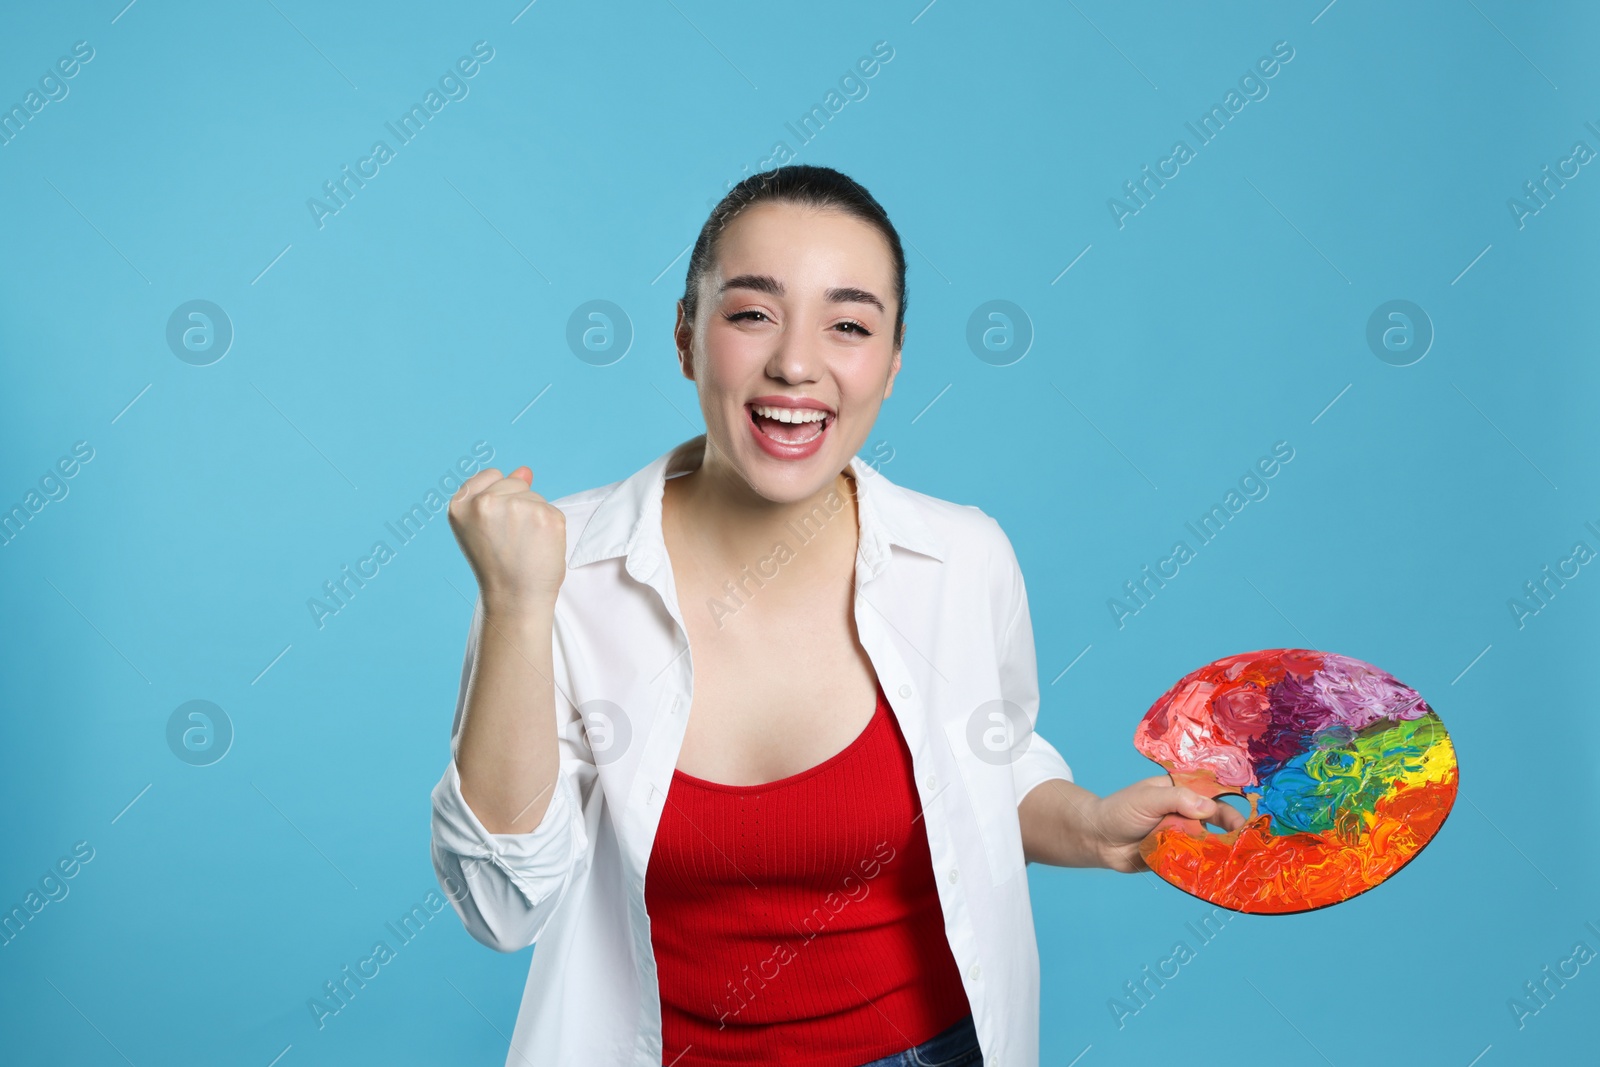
[797, 183]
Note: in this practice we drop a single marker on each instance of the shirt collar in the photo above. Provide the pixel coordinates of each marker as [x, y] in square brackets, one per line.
[628, 519]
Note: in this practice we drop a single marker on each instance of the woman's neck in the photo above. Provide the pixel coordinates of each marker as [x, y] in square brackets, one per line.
[731, 524]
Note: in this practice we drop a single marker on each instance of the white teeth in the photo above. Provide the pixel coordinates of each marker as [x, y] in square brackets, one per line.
[789, 414]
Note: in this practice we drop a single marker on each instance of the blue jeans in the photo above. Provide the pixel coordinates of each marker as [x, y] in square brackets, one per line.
[955, 1047]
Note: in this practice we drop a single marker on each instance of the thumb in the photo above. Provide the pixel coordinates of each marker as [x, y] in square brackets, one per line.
[523, 473]
[1182, 802]
[1196, 806]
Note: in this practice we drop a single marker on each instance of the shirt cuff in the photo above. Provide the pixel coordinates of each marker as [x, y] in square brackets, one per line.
[1039, 762]
[536, 861]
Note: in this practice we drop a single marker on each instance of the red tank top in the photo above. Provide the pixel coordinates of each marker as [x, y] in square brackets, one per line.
[797, 921]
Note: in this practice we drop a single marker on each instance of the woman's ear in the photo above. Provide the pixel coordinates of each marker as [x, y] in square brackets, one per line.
[683, 338]
[894, 364]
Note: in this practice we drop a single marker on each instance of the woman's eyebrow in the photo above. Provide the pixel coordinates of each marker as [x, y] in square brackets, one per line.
[852, 295]
[766, 283]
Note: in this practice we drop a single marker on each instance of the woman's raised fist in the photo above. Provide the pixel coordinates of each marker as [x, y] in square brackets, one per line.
[514, 540]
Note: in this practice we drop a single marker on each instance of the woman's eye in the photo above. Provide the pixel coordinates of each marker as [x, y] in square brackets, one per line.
[848, 326]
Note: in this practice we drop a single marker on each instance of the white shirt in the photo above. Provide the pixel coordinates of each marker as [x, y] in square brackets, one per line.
[943, 615]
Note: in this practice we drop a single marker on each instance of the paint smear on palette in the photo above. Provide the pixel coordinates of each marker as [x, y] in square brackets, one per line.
[1349, 774]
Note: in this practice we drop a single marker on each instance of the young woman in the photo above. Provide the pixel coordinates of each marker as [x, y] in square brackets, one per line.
[745, 740]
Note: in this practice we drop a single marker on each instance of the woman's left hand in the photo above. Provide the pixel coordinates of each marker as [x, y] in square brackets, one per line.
[1123, 819]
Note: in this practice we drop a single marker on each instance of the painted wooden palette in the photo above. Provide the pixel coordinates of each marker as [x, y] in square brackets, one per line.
[1348, 771]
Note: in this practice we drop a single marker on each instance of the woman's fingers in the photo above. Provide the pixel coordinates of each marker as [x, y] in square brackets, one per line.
[514, 539]
[1181, 807]
[477, 483]
[490, 477]
[514, 484]
[1157, 803]
[1227, 816]
[1192, 827]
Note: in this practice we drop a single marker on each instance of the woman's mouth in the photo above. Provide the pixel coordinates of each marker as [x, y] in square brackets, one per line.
[789, 433]
[792, 426]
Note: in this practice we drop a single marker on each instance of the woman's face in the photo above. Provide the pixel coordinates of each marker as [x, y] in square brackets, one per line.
[797, 310]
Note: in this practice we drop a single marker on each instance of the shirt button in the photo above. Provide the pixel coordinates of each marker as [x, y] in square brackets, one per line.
[955, 873]
[932, 781]
[905, 690]
[974, 972]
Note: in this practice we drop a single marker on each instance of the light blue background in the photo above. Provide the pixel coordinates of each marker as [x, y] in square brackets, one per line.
[1225, 316]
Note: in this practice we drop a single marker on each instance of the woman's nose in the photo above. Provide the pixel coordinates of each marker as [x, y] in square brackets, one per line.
[795, 359]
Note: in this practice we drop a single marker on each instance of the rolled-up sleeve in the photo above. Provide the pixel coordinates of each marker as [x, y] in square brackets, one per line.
[506, 887]
[1019, 676]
